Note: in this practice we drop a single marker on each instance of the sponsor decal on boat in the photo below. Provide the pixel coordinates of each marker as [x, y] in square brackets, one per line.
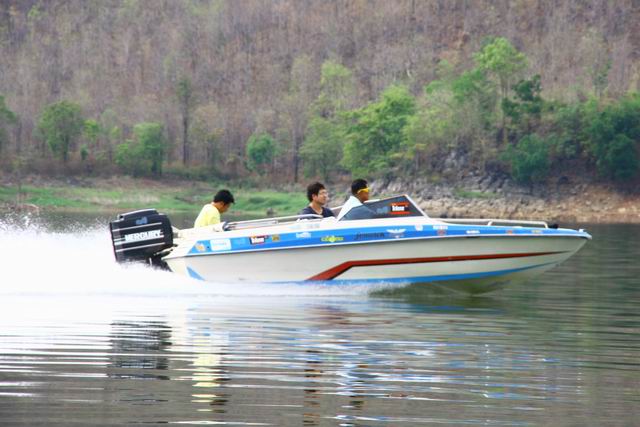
[536, 231]
[257, 240]
[199, 247]
[440, 227]
[396, 232]
[332, 239]
[220, 244]
[369, 236]
[303, 235]
[400, 208]
[419, 227]
[275, 238]
[509, 231]
[473, 231]
[441, 232]
[143, 235]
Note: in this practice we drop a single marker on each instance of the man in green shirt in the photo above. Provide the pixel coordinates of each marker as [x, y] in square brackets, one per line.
[210, 213]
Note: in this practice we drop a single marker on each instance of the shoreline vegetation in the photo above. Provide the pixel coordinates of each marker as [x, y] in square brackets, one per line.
[476, 198]
[544, 124]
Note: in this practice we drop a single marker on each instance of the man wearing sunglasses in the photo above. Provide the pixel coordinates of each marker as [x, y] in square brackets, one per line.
[359, 195]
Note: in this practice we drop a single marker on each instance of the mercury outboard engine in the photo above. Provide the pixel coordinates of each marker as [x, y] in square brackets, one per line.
[141, 236]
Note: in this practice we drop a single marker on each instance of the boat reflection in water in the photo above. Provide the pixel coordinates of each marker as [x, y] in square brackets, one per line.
[384, 241]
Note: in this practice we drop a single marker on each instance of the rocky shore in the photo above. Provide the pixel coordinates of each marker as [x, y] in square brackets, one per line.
[473, 196]
[486, 197]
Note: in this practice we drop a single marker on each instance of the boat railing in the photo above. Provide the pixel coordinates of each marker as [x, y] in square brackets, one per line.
[509, 222]
[266, 222]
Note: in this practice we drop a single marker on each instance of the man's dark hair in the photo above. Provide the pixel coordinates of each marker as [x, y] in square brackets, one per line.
[224, 196]
[358, 185]
[314, 189]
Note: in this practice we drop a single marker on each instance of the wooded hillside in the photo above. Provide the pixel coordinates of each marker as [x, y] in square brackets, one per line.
[216, 73]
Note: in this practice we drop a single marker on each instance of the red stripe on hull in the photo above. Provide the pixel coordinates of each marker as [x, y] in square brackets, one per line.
[334, 272]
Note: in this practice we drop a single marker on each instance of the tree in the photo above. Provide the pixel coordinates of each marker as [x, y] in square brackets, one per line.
[59, 126]
[186, 98]
[454, 115]
[154, 144]
[613, 136]
[525, 109]
[621, 158]
[302, 87]
[91, 133]
[505, 63]
[529, 159]
[261, 151]
[324, 138]
[374, 132]
[7, 118]
[337, 90]
[145, 153]
[323, 147]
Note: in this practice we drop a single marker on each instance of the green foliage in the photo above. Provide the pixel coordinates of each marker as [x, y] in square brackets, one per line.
[154, 144]
[130, 158]
[454, 114]
[261, 151]
[337, 90]
[323, 145]
[501, 59]
[612, 136]
[529, 159]
[184, 92]
[145, 153]
[322, 148]
[91, 130]
[525, 109]
[621, 158]
[59, 126]
[7, 118]
[375, 132]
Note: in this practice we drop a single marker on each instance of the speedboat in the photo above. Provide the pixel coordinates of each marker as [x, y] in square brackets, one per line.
[389, 240]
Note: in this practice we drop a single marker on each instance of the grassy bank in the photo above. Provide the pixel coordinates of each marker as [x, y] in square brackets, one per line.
[123, 195]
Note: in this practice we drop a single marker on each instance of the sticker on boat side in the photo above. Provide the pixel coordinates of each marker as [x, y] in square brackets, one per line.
[369, 236]
[473, 231]
[396, 232]
[220, 244]
[400, 208]
[332, 239]
[257, 240]
[303, 235]
[275, 238]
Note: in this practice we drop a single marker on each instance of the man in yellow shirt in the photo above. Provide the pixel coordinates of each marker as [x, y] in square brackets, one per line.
[210, 213]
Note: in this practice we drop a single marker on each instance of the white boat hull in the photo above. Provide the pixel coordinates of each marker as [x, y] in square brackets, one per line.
[475, 264]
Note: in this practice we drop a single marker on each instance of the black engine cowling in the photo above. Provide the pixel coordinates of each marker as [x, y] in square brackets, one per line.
[141, 236]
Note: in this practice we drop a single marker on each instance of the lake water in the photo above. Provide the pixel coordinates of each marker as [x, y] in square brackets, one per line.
[84, 341]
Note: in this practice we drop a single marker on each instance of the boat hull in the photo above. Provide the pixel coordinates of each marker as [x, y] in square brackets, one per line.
[472, 264]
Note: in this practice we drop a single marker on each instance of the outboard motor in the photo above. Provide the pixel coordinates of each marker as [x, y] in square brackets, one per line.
[141, 236]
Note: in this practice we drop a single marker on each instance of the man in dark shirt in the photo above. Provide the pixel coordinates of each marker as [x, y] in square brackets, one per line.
[318, 197]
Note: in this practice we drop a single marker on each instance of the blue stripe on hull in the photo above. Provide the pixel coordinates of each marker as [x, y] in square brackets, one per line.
[418, 279]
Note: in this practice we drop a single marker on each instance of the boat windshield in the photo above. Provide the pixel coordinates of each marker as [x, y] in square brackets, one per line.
[392, 207]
